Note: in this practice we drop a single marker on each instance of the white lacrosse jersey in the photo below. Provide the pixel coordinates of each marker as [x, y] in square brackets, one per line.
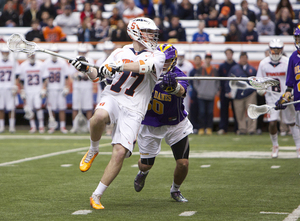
[277, 71]
[57, 72]
[32, 75]
[84, 82]
[7, 73]
[134, 90]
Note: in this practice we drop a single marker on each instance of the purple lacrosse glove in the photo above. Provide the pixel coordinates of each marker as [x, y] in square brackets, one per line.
[169, 83]
[279, 104]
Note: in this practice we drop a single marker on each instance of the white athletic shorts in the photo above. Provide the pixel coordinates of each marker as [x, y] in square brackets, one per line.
[56, 100]
[149, 138]
[82, 98]
[33, 101]
[298, 118]
[287, 115]
[7, 100]
[126, 122]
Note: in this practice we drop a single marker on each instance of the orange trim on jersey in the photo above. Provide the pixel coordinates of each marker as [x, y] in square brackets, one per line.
[141, 62]
[108, 68]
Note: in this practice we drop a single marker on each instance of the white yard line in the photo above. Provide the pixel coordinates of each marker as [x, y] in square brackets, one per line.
[294, 215]
[48, 137]
[276, 213]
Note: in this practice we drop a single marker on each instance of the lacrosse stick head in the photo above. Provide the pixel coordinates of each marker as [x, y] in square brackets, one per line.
[17, 43]
[28, 113]
[239, 85]
[52, 123]
[263, 82]
[255, 111]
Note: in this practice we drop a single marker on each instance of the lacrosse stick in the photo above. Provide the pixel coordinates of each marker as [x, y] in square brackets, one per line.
[52, 123]
[81, 120]
[243, 86]
[28, 113]
[255, 111]
[17, 43]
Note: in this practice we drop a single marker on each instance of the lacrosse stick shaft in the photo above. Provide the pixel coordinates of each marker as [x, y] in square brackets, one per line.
[289, 103]
[213, 78]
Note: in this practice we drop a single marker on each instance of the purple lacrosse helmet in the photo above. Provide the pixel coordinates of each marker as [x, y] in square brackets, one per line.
[297, 38]
[171, 56]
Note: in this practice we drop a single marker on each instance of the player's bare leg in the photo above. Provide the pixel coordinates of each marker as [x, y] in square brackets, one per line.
[62, 119]
[274, 138]
[74, 126]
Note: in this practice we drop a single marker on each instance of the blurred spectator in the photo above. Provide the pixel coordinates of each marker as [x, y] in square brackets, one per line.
[203, 9]
[49, 7]
[225, 101]
[161, 27]
[166, 10]
[285, 25]
[175, 32]
[53, 33]
[265, 6]
[206, 92]
[17, 6]
[147, 7]
[246, 11]
[44, 19]
[234, 34]
[120, 33]
[200, 36]
[121, 6]
[132, 12]
[115, 17]
[87, 12]
[86, 32]
[35, 34]
[96, 22]
[2, 3]
[186, 10]
[257, 8]
[30, 14]
[243, 98]
[68, 21]
[226, 9]
[102, 32]
[212, 20]
[98, 4]
[9, 17]
[284, 4]
[250, 35]
[265, 26]
[61, 4]
[239, 20]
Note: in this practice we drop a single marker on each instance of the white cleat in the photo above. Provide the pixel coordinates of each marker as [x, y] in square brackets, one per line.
[63, 130]
[73, 130]
[32, 130]
[41, 130]
[1, 130]
[12, 130]
[275, 151]
[51, 130]
[298, 153]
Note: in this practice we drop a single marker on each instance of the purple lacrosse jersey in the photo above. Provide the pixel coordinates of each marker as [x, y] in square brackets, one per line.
[293, 77]
[164, 108]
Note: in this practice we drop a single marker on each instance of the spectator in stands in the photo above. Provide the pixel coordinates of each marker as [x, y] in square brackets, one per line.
[49, 7]
[250, 35]
[284, 4]
[132, 12]
[68, 21]
[120, 33]
[99, 4]
[147, 7]
[53, 33]
[17, 6]
[161, 27]
[87, 12]
[203, 9]
[35, 34]
[44, 19]
[265, 7]
[166, 9]
[30, 14]
[285, 25]
[175, 32]
[2, 3]
[102, 32]
[246, 11]
[212, 20]
[228, 7]
[96, 22]
[9, 17]
[115, 17]
[186, 10]
[243, 98]
[206, 92]
[121, 6]
[223, 16]
[257, 8]
[234, 34]
[201, 36]
[60, 5]
[86, 31]
[225, 101]
[239, 20]
[265, 26]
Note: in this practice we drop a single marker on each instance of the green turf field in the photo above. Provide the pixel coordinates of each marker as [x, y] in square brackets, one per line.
[230, 178]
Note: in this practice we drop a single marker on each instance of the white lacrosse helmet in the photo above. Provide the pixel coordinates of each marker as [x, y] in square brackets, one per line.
[144, 31]
[54, 47]
[5, 52]
[82, 48]
[108, 45]
[276, 49]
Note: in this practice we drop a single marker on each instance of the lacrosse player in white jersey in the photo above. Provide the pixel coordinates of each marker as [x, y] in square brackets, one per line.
[33, 89]
[58, 71]
[8, 89]
[134, 70]
[82, 98]
[275, 66]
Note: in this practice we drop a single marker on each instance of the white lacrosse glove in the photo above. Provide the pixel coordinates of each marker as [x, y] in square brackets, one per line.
[43, 93]
[65, 91]
[261, 92]
[79, 66]
[117, 66]
[106, 72]
[14, 90]
[22, 94]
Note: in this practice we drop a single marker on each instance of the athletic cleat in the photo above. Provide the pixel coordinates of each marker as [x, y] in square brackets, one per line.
[41, 130]
[51, 130]
[178, 197]
[63, 130]
[32, 130]
[298, 153]
[95, 202]
[139, 181]
[12, 130]
[1, 130]
[73, 130]
[275, 151]
[87, 160]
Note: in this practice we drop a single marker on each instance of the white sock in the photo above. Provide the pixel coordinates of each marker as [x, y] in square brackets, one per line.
[1, 123]
[296, 135]
[100, 189]
[274, 139]
[62, 124]
[144, 172]
[94, 145]
[40, 117]
[12, 122]
[174, 187]
[32, 123]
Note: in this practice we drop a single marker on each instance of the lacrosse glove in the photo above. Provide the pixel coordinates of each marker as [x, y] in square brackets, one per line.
[169, 84]
[279, 104]
[105, 71]
[78, 65]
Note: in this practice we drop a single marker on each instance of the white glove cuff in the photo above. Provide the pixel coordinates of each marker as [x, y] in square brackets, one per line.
[177, 89]
[145, 66]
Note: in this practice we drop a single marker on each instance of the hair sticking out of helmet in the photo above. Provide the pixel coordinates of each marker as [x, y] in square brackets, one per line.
[144, 31]
[297, 38]
[276, 49]
[171, 56]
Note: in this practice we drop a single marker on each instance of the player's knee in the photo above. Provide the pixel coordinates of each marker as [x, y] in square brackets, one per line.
[148, 161]
[100, 116]
[120, 152]
[182, 163]
[272, 124]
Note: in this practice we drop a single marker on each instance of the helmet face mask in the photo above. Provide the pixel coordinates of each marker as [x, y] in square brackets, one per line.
[171, 56]
[276, 50]
[297, 38]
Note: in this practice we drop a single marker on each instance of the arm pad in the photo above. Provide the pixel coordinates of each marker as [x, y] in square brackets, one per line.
[146, 67]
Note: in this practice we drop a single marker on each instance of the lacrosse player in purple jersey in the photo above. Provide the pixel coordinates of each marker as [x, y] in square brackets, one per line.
[166, 118]
[293, 85]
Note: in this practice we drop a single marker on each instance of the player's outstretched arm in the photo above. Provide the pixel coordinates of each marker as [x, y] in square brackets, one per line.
[170, 85]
